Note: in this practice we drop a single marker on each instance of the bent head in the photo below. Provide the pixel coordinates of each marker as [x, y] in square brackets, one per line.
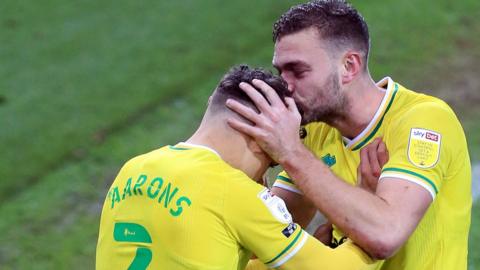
[321, 48]
[228, 88]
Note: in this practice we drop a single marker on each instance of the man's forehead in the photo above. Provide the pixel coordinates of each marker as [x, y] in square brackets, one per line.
[288, 60]
[298, 46]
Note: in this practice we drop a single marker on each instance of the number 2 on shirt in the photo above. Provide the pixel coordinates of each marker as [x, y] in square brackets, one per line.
[134, 233]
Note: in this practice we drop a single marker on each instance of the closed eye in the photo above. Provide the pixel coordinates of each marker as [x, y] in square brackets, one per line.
[299, 73]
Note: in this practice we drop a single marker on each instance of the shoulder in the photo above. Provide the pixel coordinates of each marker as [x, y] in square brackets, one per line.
[140, 160]
[429, 119]
[411, 102]
[420, 110]
[239, 185]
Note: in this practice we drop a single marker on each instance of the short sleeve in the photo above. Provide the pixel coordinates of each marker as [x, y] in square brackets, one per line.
[283, 181]
[420, 143]
[262, 224]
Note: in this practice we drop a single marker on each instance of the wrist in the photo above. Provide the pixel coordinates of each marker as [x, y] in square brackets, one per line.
[293, 160]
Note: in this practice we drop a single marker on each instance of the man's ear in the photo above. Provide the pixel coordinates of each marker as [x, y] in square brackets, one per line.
[254, 147]
[352, 65]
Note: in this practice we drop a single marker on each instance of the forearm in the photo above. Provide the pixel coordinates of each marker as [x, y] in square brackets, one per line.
[364, 217]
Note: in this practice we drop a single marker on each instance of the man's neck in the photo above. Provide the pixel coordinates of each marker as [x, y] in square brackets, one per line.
[364, 99]
[232, 148]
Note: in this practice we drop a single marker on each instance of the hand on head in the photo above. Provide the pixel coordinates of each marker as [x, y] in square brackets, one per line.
[276, 125]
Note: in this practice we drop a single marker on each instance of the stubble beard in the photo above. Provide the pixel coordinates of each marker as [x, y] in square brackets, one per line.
[328, 106]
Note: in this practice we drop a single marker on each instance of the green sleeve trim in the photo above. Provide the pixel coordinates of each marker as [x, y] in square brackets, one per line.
[287, 248]
[414, 174]
[283, 178]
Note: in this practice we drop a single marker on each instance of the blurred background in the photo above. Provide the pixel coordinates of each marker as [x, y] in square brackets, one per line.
[86, 85]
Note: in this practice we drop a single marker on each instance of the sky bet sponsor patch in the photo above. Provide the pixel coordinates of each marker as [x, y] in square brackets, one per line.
[424, 147]
[276, 206]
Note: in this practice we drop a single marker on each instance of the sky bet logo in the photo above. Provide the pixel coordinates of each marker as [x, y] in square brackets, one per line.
[418, 133]
[427, 135]
[431, 137]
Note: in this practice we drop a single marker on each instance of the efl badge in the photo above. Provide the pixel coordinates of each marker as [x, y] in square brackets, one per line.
[276, 206]
[424, 147]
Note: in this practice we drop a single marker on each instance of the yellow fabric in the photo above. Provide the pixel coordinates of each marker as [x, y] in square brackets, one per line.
[256, 265]
[183, 207]
[346, 257]
[438, 161]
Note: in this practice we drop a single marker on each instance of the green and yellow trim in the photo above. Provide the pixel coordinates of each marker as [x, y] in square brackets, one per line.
[286, 183]
[411, 176]
[178, 148]
[284, 179]
[290, 250]
[367, 135]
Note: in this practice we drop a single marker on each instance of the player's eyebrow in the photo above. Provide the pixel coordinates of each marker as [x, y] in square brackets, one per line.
[292, 65]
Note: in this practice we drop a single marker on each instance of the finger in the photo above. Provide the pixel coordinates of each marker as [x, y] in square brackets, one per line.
[269, 92]
[292, 107]
[256, 97]
[374, 144]
[244, 111]
[364, 177]
[382, 154]
[372, 184]
[373, 159]
[364, 164]
[244, 128]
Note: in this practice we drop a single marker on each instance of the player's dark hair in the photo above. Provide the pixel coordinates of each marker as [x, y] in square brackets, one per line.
[336, 22]
[228, 87]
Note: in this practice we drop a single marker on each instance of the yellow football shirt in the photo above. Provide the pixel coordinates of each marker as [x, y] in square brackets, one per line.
[183, 207]
[427, 146]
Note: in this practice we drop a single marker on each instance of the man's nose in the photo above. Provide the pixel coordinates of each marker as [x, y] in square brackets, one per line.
[291, 88]
[290, 84]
